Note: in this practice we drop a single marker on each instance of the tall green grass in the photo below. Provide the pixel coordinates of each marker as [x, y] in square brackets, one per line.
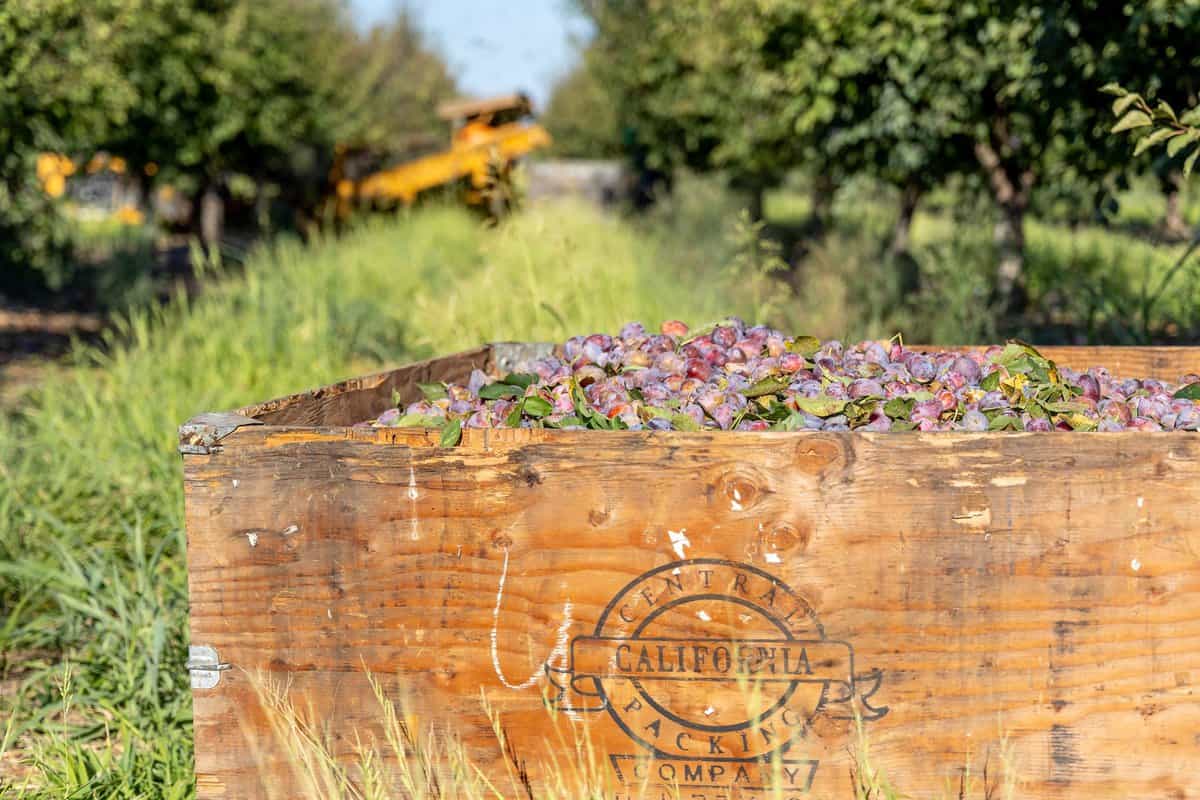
[92, 575]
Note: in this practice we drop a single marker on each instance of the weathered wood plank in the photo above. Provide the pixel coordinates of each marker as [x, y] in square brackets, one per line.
[1040, 589]
[359, 399]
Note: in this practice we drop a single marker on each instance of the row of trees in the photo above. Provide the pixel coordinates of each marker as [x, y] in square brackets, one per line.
[204, 94]
[913, 92]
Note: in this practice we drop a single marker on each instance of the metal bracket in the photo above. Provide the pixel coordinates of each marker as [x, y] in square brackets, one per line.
[205, 666]
[200, 434]
[516, 356]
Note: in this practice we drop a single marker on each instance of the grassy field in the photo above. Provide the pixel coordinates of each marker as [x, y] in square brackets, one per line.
[92, 575]
[93, 691]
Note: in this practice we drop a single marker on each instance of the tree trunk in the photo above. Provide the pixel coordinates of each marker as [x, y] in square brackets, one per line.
[821, 216]
[1173, 223]
[1010, 254]
[212, 217]
[910, 198]
[754, 204]
[1012, 186]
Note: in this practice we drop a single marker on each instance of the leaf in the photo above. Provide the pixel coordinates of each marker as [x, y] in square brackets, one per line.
[899, 407]
[1114, 89]
[451, 434]
[513, 420]
[821, 406]
[806, 346]
[1157, 137]
[1066, 407]
[991, 381]
[1191, 116]
[420, 421]
[522, 379]
[684, 422]
[1190, 163]
[433, 391]
[903, 425]
[537, 407]
[1189, 392]
[1081, 422]
[1131, 121]
[1004, 422]
[1122, 104]
[1164, 111]
[495, 391]
[858, 412]
[1180, 142]
[765, 387]
[1011, 352]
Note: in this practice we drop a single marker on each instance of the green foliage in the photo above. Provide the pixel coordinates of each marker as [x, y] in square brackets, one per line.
[60, 86]
[223, 93]
[910, 93]
[1177, 134]
[580, 115]
[387, 88]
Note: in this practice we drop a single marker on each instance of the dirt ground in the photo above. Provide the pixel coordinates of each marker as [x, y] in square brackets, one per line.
[33, 341]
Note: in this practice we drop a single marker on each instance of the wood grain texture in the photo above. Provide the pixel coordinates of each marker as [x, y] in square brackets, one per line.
[1038, 589]
[362, 398]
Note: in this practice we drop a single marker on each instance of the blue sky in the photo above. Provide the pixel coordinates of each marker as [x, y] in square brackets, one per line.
[493, 46]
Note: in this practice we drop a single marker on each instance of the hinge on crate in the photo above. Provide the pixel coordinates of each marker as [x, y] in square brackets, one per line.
[205, 666]
[200, 434]
[516, 356]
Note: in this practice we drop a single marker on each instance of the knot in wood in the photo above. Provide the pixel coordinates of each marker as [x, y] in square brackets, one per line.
[783, 537]
[740, 488]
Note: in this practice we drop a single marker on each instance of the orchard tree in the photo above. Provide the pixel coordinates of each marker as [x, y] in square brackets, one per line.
[756, 89]
[580, 114]
[864, 101]
[389, 85]
[1020, 79]
[692, 84]
[59, 89]
[229, 88]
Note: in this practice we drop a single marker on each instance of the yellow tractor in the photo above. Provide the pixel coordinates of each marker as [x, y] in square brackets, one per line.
[488, 137]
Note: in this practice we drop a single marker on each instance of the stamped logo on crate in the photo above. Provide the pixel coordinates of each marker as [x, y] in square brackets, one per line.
[717, 670]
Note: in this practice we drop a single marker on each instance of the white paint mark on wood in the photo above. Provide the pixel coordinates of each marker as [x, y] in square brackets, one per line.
[290, 529]
[235, 483]
[1009, 480]
[708, 712]
[704, 615]
[964, 484]
[558, 655]
[679, 541]
[413, 494]
[1141, 501]
[773, 558]
[252, 537]
[735, 504]
[1135, 565]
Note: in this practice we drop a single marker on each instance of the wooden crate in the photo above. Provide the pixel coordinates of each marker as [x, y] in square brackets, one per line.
[1019, 602]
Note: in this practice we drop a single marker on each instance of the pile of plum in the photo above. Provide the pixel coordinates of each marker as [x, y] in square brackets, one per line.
[730, 376]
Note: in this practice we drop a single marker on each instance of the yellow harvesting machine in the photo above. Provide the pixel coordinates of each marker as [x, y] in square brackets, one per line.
[488, 137]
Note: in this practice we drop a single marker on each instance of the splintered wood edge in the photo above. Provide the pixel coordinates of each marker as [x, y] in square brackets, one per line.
[333, 406]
